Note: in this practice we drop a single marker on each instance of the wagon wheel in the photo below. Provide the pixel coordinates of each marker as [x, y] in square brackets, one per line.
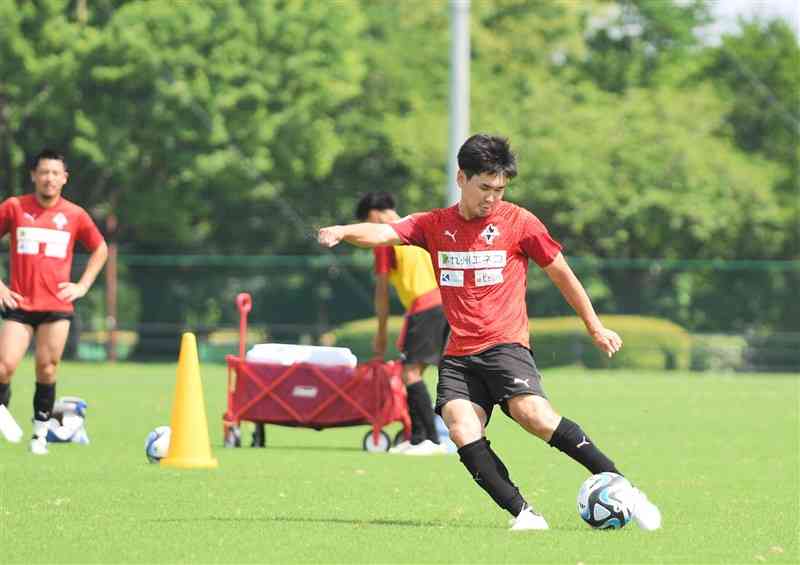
[399, 438]
[382, 445]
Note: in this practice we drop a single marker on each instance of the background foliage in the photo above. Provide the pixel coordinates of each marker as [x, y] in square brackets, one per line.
[235, 128]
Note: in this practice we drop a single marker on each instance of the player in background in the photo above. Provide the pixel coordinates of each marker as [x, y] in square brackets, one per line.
[480, 249]
[38, 301]
[408, 269]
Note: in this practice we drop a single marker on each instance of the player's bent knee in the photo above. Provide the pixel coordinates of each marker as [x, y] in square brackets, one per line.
[6, 372]
[412, 374]
[46, 372]
[537, 427]
[544, 429]
[463, 433]
[535, 415]
[464, 420]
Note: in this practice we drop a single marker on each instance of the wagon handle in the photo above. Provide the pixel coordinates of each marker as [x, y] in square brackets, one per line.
[244, 303]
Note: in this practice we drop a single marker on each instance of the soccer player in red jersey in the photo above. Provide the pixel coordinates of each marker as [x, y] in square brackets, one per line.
[38, 300]
[480, 249]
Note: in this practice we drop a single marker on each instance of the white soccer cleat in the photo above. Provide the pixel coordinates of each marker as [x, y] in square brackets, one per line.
[427, 447]
[9, 427]
[646, 514]
[39, 446]
[39, 439]
[400, 447]
[528, 520]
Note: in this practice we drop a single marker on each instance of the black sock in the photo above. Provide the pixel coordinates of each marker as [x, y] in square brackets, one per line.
[43, 400]
[421, 412]
[491, 475]
[5, 394]
[571, 439]
[417, 430]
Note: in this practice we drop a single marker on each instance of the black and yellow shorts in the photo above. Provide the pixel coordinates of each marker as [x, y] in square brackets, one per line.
[424, 336]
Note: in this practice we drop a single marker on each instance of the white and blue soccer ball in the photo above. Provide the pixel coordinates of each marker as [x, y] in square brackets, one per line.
[156, 446]
[605, 501]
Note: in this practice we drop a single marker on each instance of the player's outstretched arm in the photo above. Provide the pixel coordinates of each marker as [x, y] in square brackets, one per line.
[360, 235]
[571, 288]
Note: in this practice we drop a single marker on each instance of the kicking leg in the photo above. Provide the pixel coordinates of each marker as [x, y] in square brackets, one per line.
[536, 415]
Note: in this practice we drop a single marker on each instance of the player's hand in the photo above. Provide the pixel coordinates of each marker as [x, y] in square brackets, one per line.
[607, 341]
[9, 300]
[70, 292]
[330, 236]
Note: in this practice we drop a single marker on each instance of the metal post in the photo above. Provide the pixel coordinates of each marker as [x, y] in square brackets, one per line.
[111, 288]
[459, 91]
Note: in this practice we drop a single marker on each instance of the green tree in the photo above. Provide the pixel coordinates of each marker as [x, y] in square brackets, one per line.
[37, 67]
[635, 43]
[397, 127]
[758, 69]
[207, 112]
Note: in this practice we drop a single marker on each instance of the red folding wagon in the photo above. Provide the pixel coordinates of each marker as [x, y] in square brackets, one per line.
[313, 396]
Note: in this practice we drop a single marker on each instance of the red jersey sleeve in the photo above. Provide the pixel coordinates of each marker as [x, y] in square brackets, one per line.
[385, 259]
[536, 241]
[411, 229]
[88, 234]
[6, 215]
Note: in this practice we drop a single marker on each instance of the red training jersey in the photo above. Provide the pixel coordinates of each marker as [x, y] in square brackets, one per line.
[481, 266]
[41, 248]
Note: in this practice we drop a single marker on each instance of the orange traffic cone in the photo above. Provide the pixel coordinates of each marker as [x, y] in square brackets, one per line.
[189, 446]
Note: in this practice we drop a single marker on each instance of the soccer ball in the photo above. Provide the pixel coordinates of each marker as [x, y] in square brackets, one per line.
[604, 501]
[156, 445]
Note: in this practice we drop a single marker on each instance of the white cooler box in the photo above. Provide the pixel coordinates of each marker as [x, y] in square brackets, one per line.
[287, 354]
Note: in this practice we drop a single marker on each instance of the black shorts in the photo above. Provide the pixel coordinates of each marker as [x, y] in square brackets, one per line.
[488, 378]
[35, 318]
[424, 337]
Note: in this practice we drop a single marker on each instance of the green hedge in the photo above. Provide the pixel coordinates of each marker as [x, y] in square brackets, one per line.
[773, 352]
[650, 343]
[718, 352]
[358, 336]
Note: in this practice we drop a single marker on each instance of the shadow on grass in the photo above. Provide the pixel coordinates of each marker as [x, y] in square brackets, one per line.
[300, 448]
[353, 522]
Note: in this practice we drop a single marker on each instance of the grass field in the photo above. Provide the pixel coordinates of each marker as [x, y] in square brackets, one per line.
[718, 453]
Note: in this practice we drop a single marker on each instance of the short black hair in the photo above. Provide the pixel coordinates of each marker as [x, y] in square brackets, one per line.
[374, 201]
[47, 153]
[483, 153]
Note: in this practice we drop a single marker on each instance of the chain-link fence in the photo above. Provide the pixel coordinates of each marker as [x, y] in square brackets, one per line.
[742, 315]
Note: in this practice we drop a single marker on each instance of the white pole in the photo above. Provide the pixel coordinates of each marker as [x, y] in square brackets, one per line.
[459, 91]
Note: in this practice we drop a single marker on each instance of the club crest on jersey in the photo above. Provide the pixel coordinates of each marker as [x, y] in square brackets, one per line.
[489, 233]
[60, 220]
